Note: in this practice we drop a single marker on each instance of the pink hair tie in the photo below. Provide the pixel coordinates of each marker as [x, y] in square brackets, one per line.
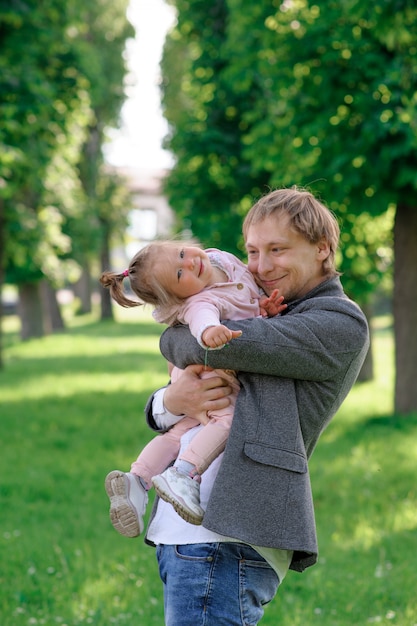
[126, 273]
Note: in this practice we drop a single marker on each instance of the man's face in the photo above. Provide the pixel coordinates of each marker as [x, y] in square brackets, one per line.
[280, 258]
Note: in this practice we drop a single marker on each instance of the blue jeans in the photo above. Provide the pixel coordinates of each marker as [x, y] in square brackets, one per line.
[214, 584]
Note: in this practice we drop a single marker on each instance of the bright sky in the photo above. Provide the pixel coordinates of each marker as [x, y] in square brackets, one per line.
[138, 143]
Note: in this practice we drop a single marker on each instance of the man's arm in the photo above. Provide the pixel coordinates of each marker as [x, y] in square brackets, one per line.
[307, 344]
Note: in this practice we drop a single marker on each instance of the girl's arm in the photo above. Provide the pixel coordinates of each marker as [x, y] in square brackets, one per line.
[203, 318]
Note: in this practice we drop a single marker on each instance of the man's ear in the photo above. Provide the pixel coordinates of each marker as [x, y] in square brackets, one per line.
[323, 250]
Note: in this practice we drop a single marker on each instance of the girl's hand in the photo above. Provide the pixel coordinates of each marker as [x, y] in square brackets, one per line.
[272, 305]
[217, 336]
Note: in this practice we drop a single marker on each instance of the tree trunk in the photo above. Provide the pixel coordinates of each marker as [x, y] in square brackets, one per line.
[30, 311]
[405, 308]
[82, 290]
[51, 312]
[367, 371]
[105, 299]
[1, 327]
[2, 264]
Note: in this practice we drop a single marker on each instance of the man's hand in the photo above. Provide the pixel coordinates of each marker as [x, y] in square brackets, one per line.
[194, 396]
[272, 305]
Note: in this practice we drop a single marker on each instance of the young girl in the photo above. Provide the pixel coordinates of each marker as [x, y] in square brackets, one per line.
[197, 287]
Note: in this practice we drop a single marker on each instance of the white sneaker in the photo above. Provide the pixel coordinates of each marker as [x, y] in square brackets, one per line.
[128, 500]
[182, 492]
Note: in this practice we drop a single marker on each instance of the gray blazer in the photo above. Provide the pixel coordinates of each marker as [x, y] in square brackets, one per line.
[295, 370]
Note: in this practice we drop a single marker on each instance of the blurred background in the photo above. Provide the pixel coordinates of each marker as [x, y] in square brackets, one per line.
[121, 123]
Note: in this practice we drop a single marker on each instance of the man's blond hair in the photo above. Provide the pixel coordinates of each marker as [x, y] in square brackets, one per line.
[307, 215]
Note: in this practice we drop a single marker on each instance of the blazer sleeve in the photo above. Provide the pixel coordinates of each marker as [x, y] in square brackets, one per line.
[149, 415]
[305, 345]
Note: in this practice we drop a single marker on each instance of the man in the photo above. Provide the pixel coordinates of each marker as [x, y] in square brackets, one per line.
[295, 370]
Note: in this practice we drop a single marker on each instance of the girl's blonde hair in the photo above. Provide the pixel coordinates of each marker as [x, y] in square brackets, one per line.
[307, 216]
[142, 276]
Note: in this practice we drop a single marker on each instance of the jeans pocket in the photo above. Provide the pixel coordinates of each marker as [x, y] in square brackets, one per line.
[258, 584]
[192, 561]
[197, 551]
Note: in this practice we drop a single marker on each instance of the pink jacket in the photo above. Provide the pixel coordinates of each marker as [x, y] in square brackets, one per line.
[237, 299]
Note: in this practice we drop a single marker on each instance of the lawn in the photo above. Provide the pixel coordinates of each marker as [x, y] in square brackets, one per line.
[71, 410]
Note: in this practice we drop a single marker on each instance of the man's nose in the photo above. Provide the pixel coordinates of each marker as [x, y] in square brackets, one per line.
[264, 264]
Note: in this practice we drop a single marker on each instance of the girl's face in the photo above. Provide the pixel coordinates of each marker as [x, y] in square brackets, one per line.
[184, 271]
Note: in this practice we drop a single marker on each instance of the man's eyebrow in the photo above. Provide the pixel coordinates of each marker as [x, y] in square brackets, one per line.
[273, 242]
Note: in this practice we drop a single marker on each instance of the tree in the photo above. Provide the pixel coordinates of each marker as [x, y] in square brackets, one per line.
[348, 73]
[114, 206]
[53, 63]
[41, 103]
[103, 31]
[330, 101]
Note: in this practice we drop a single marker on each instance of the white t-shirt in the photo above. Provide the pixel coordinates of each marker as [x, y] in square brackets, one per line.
[167, 527]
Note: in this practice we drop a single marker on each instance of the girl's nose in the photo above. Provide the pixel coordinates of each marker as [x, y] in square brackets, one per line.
[188, 261]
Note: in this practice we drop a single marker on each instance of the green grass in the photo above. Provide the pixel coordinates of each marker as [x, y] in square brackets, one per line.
[71, 409]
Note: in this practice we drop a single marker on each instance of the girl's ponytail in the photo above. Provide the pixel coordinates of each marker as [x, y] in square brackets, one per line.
[114, 282]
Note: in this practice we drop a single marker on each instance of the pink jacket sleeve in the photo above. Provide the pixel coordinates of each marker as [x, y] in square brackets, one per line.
[200, 313]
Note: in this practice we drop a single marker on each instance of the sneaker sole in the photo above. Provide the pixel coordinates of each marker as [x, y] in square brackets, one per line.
[122, 513]
[164, 492]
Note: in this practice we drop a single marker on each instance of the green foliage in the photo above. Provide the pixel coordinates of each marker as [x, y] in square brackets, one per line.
[366, 254]
[204, 110]
[72, 411]
[348, 75]
[40, 94]
[321, 94]
[61, 75]
[343, 119]
[100, 36]
[99, 30]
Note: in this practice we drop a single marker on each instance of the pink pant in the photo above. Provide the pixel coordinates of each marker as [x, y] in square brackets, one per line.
[208, 443]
